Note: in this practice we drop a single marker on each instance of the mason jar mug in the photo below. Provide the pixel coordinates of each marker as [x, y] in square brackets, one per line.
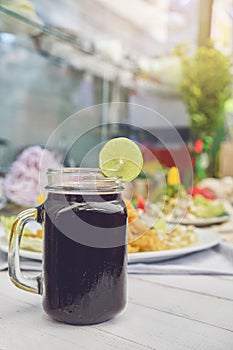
[84, 259]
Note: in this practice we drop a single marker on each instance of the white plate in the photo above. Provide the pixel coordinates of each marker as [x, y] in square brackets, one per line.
[28, 242]
[198, 221]
[206, 239]
[23, 252]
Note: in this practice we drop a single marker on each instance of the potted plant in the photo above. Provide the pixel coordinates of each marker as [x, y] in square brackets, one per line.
[205, 87]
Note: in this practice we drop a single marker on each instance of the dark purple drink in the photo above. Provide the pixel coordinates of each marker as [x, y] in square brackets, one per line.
[84, 257]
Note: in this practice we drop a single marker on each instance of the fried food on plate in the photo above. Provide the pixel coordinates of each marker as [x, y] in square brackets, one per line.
[142, 238]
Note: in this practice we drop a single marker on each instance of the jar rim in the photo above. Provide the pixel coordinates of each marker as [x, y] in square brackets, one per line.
[72, 170]
[82, 180]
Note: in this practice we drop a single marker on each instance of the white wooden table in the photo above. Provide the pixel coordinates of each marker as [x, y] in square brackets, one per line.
[163, 313]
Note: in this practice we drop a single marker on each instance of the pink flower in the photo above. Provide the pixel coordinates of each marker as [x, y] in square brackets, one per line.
[27, 175]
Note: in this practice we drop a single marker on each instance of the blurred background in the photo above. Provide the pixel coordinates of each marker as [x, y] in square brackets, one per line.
[60, 57]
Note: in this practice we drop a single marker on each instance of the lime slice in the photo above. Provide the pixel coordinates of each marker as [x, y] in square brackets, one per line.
[121, 157]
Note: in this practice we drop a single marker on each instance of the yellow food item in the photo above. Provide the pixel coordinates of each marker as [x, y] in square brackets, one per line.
[173, 177]
[149, 241]
[131, 211]
[133, 249]
[140, 236]
[30, 240]
[38, 234]
[41, 198]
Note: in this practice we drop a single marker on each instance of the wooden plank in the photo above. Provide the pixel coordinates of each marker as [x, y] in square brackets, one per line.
[60, 337]
[229, 278]
[199, 307]
[23, 324]
[162, 331]
[214, 286]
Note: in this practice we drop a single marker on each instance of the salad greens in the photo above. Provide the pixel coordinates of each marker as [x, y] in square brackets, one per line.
[205, 208]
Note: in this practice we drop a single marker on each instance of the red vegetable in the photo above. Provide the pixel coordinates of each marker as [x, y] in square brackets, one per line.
[198, 146]
[205, 192]
[141, 203]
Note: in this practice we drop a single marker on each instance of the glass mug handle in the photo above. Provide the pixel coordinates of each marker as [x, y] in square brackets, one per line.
[32, 283]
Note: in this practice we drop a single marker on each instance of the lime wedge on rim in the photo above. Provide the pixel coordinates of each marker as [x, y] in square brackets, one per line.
[121, 157]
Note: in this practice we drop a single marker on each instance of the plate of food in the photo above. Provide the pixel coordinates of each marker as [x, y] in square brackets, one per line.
[24, 252]
[155, 240]
[205, 240]
[148, 239]
[31, 243]
[194, 210]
